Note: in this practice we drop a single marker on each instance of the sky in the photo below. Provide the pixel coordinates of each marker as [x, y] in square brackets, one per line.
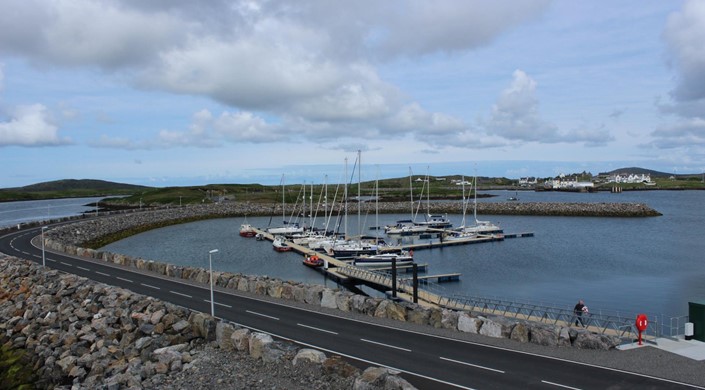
[177, 92]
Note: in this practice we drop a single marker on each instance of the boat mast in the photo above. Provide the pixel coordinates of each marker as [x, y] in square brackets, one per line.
[411, 194]
[428, 192]
[345, 195]
[465, 204]
[283, 208]
[377, 207]
[359, 199]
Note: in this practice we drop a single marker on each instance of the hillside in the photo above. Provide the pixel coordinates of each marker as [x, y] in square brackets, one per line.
[639, 171]
[68, 188]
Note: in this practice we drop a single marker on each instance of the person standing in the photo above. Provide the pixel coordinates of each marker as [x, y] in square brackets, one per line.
[578, 311]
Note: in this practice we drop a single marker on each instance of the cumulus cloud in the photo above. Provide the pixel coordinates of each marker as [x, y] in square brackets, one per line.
[516, 117]
[516, 113]
[312, 65]
[205, 131]
[30, 125]
[684, 34]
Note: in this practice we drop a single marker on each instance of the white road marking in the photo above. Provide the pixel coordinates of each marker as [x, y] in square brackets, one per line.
[472, 365]
[51, 260]
[386, 345]
[182, 294]
[102, 273]
[260, 314]
[150, 286]
[66, 264]
[318, 329]
[560, 385]
[123, 279]
[219, 304]
[85, 269]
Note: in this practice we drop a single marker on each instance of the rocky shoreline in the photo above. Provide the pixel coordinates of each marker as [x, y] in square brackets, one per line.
[80, 334]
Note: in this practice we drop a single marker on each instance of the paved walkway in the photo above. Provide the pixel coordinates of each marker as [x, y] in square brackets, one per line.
[692, 349]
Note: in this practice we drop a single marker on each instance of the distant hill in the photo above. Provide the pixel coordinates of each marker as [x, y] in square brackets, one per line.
[639, 171]
[68, 188]
[73, 184]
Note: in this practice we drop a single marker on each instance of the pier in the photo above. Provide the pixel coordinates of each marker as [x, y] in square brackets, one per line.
[345, 273]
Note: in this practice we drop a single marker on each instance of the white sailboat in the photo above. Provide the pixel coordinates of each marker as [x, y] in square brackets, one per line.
[406, 227]
[289, 227]
[479, 227]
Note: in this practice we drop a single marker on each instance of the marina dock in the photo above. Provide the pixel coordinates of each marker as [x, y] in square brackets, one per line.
[345, 273]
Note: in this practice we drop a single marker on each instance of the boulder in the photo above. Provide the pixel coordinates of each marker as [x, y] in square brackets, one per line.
[469, 324]
[308, 355]
[589, 340]
[257, 344]
[335, 365]
[313, 294]
[342, 300]
[240, 339]
[449, 319]
[328, 299]
[389, 309]
[223, 333]
[520, 333]
[380, 378]
[543, 334]
[418, 315]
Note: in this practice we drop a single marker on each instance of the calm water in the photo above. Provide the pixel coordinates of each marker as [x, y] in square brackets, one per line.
[12, 213]
[653, 265]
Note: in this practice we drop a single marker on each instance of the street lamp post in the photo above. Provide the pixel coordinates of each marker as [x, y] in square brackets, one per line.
[210, 267]
[44, 258]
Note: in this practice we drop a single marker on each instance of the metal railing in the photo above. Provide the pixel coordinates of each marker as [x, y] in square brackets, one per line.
[615, 324]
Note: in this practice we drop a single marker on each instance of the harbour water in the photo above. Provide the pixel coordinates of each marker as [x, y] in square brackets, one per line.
[13, 213]
[631, 265]
[653, 265]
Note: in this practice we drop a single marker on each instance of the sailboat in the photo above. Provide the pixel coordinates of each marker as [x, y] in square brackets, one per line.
[289, 227]
[479, 227]
[406, 227]
[433, 221]
[348, 248]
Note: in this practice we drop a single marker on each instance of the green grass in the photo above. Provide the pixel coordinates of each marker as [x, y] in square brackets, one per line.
[14, 372]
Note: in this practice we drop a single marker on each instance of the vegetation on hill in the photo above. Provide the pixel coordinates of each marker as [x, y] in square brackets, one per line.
[394, 189]
[69, 188]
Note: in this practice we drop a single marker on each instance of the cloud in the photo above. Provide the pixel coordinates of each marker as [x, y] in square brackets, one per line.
[29, 125]
[515, 116]
[684, 34]
[445, 26]
[310, 67]
[683, 134]
[205, 131]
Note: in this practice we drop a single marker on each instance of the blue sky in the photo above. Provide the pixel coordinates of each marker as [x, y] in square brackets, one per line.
[187, 93]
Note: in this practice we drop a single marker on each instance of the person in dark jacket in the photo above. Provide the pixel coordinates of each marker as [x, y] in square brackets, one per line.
[578, 311]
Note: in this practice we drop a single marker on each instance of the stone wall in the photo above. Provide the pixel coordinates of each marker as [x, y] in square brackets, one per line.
[81, 334]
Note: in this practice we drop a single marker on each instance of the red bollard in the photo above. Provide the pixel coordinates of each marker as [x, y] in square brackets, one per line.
[641, 324]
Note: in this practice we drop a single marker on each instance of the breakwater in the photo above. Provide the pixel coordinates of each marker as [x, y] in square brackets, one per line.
[80, 334]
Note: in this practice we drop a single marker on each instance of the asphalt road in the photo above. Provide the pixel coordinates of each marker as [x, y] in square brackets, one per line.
[428, 361]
